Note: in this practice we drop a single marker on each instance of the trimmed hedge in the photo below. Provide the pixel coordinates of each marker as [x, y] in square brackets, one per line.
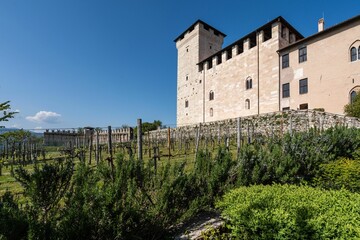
[291, 212]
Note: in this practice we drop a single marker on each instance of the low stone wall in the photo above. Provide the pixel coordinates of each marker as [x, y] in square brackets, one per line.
[265, 124]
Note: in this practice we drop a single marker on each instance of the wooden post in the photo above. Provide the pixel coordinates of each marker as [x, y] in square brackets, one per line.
[219, 134]
[238, 136]
[197, 140]
[169, 142]
[91, 144]
[139, 139]
[149, 144]
[110, 146]
[248, 132]
[97, 148]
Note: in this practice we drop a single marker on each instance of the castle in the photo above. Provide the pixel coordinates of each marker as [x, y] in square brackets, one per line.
[274, 68]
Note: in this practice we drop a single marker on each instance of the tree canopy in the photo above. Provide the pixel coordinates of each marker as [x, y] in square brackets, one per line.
[353, 109]
[4, 107]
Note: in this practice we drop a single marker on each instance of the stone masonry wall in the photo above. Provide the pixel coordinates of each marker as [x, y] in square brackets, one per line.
[265, 124]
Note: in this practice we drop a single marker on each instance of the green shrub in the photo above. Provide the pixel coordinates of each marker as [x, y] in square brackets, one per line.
[291, 212]
[342, 173]
[13, 222]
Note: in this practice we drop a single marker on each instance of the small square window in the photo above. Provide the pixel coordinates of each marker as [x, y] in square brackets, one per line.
[304, 106]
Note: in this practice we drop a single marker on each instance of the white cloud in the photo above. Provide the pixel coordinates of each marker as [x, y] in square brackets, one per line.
[45, 117]
[38, 130]
[17, 110]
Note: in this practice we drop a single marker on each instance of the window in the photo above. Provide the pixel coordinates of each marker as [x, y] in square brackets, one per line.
[248, 83]
[359, 53]
[228, 54]
[283, 32]
[286, 90]
[240, 48]
[211, 95]
[303, 86]
[302, 54]
[352, 96]
[303, 106]
[286, 108]
[267, 33]
[209, 64]
[247, 104]
[187, 77]
[218, 58]
[252, 39]
[201, 67]
[285, 61]
[353, 54]
[211, 112]
[186, 103]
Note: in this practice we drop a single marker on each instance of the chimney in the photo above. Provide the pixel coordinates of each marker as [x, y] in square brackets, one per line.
[321, 25]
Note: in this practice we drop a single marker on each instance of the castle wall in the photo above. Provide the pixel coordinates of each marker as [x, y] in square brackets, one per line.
[268, 124]
[76, 138]
[330, 73]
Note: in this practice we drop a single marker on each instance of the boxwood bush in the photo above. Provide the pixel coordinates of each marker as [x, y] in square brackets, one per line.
[291, 212]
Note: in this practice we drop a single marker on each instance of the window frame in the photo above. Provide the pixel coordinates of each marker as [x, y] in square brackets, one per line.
[303, 54]
[353, 54]
[303, 88]
[247, 104]
[352, 96]
[211, 95]
[304, 106]
[284, 91]
[248, 83]
[285, 64]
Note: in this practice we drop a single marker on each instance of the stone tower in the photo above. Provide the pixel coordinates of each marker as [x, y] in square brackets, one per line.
[198, 42]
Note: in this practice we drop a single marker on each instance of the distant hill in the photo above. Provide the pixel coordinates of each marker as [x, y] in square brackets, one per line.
[4, 130]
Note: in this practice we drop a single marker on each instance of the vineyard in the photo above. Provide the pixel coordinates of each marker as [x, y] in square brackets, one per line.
[149, 187]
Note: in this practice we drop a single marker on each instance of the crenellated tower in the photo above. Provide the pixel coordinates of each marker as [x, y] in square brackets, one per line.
[198, 42]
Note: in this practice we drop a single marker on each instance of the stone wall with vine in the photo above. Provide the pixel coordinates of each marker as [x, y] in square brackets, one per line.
[264, 124]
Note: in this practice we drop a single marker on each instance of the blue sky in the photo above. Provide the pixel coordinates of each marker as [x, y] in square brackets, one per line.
[71, 63]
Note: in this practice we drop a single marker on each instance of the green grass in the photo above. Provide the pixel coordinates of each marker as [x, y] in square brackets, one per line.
[8, 183]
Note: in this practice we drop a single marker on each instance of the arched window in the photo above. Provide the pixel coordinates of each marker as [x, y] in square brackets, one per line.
[248, 83]
[211, 112]
[352, 96]
[211, 95]
[353, 54]
[186, 103]
[247, 104]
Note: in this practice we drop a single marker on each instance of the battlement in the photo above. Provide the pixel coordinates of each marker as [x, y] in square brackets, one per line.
[200, 23]
[277, 28]
[82, 137]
